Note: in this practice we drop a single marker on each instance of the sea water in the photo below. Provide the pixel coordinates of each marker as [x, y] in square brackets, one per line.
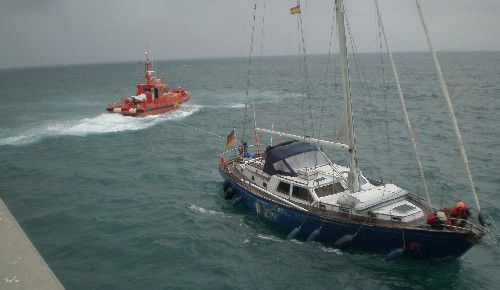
[115, 202]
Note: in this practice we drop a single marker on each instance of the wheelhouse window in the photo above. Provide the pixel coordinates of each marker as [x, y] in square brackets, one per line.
[332, 188]
[301, 193]
[284, 188]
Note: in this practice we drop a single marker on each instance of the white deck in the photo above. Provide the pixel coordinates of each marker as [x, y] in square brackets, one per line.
[387, 202]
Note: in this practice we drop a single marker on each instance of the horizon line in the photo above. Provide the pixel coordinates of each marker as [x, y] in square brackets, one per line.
[225, 57]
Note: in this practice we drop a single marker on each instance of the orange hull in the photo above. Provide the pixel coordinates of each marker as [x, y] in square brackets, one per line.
[169, 101]
[152, 97]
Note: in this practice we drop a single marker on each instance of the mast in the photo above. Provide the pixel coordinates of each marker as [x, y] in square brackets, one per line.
[451, 112]
[147, 68]
[353, 179]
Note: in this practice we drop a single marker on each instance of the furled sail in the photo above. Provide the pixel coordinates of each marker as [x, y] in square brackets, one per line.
[343, 133]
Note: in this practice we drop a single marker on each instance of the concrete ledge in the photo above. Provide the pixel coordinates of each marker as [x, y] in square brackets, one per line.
[21, 266]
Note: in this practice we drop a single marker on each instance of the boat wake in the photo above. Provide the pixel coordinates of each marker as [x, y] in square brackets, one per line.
[230, 106]
[101, 124]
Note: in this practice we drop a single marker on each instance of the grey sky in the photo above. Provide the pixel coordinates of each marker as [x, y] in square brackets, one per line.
[50, 32]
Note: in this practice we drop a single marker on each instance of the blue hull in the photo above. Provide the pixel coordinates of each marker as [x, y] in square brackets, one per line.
[418, 243]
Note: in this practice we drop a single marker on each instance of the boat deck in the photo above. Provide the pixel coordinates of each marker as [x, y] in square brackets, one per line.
[418, 224]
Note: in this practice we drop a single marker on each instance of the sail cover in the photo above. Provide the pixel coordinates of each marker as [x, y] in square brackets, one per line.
[343, 134]
[287, 158]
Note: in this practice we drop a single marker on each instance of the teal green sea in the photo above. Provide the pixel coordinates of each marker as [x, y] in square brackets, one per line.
[115, 202]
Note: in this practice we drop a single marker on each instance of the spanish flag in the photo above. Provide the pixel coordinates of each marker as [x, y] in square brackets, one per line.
[295, 10]
[230, 140]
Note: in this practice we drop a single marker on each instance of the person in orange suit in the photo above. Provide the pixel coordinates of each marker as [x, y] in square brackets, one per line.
[459, 214]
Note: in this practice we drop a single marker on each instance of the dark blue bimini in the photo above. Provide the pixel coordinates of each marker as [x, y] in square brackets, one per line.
[280, 158]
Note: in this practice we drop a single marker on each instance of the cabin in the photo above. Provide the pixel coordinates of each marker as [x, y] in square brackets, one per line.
[300, 173]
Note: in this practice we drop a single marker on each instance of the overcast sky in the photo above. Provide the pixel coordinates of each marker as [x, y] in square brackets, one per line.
[53, 32]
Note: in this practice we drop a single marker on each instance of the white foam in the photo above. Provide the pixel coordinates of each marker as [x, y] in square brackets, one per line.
[332, 250]
[202, 210]
[237, 106]
[269, 238]
[101, 124]
[230, 105]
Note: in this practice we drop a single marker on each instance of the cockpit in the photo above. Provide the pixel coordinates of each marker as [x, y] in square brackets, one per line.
[290, 157]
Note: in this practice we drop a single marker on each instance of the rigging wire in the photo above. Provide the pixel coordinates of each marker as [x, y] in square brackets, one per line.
[300, 71]
[256, 134]
[451, 113]
[307, 95]
[249, 76]
[306, 76]
[361, 75]
[329, 59]
[403, 106]
[262, 39]
[384, 89]
[308, 90]
[330, 44]
[384, 95]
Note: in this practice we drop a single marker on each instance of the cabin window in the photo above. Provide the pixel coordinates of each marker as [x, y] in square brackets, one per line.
[329, 189]
[345, 209]
[284, 187]
[264, 184]
[301, 193]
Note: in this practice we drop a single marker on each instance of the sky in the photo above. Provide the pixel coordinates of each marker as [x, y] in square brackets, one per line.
[60, 32]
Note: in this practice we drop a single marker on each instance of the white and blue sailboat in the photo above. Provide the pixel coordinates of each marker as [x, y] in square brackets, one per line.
[296, 186]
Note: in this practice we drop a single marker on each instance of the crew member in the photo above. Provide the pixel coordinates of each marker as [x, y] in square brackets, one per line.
[459, 214]
[242, 149]
[438, 219]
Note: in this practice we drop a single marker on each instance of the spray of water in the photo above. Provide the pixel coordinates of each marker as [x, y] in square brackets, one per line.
[101, 124]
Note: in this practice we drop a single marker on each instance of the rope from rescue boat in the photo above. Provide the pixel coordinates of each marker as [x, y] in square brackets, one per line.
[199, 129]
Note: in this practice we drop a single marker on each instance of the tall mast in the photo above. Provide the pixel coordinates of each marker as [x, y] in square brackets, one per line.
[353, 179]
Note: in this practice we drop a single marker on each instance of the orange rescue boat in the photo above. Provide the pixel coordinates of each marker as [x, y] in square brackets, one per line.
[151, 97]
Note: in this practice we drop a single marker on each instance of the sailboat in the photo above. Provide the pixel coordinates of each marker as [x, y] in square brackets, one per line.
[297, 187]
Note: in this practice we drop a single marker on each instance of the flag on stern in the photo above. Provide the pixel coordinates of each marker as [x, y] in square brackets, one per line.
[230, 140]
